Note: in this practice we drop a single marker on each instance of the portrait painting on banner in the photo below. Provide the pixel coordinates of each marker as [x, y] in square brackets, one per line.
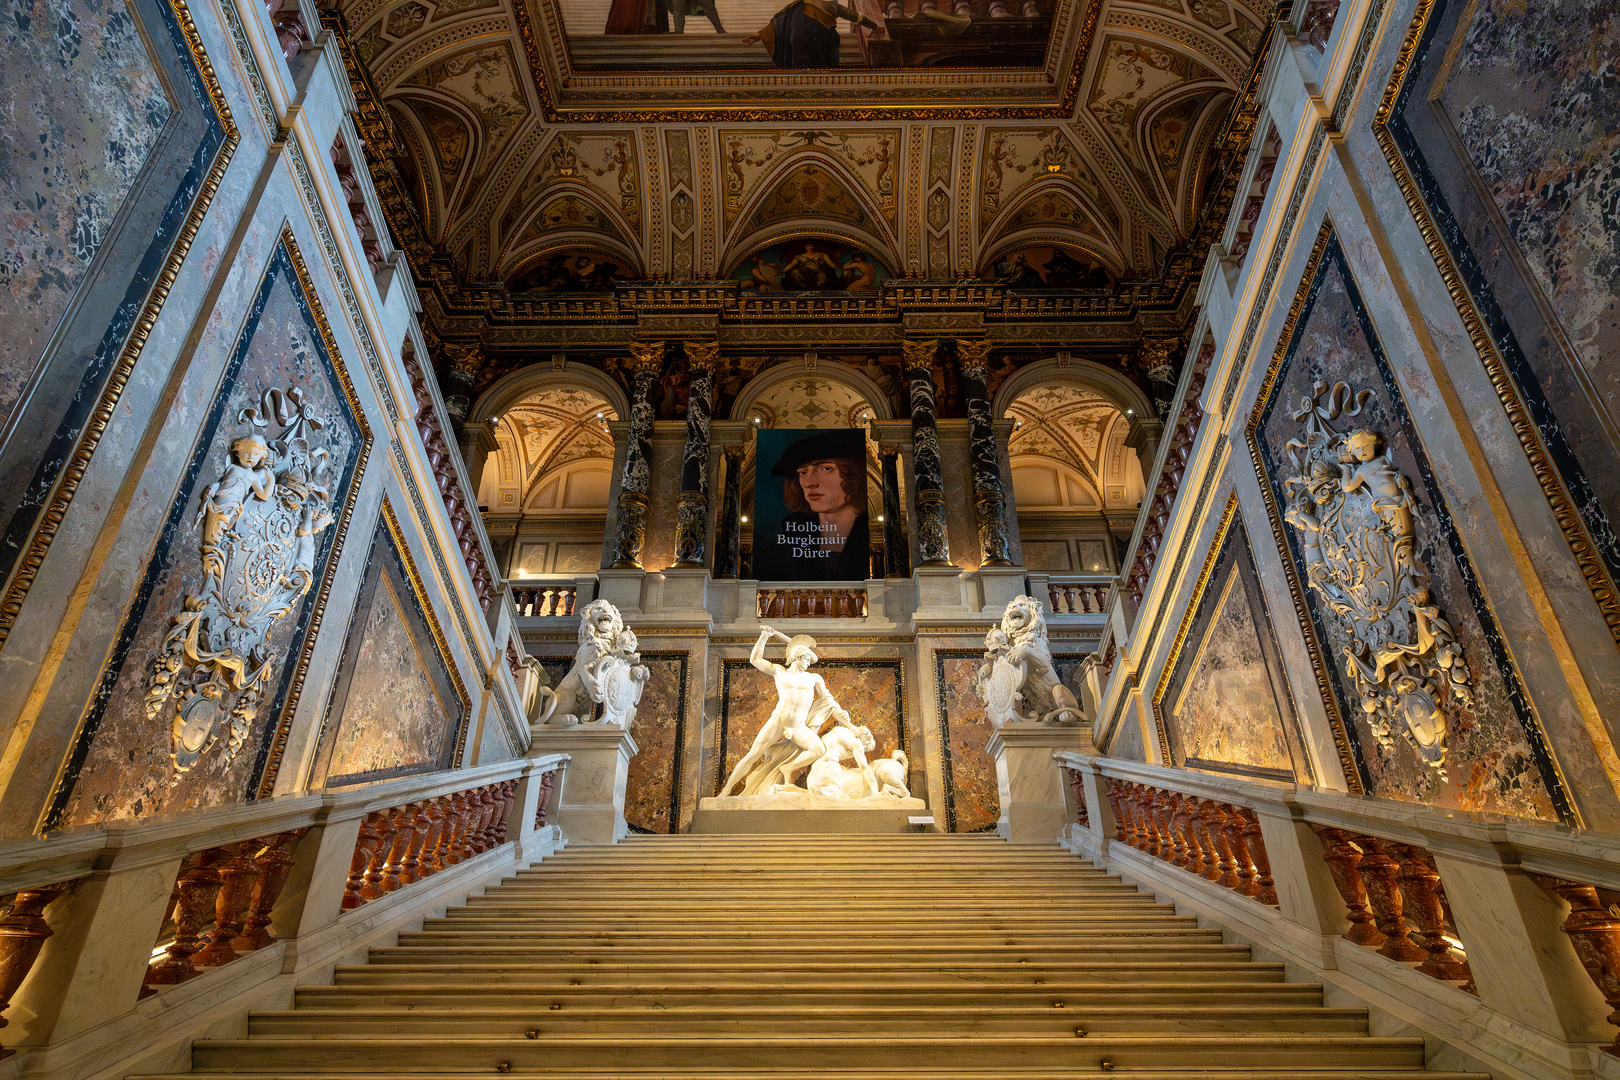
[811, 516]
[191, 701]
[1428, 695]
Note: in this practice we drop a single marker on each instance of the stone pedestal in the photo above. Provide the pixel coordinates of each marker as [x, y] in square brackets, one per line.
[1031, 784]
[939, 591]
[622, 588]
[803, 812]
[1001, 585]
[590, 807]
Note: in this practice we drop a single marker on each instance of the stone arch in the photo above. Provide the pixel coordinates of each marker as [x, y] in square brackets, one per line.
[513, 388]
[1098, 241]
[835, 372]
[1106, 383]
[740, 244]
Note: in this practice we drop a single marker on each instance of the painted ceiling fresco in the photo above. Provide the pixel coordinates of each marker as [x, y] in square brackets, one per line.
[553, 432]
[1078, 434]
[512, 154]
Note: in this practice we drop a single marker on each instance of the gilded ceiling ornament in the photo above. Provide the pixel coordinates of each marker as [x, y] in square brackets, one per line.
[1355, 513]
[259, 524]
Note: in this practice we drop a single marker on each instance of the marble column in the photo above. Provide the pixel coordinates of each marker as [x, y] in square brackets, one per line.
[894, 541]
[465, 359]
[632, 527]
[728, 538]
[928, 481]
[989, 495]
[692, 515]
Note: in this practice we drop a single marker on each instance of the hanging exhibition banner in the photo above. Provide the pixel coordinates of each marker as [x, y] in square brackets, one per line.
[810, 504]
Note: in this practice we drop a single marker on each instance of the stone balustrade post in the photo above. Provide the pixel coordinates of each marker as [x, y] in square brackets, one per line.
[928, 482]
[630, 536]
[692, 513]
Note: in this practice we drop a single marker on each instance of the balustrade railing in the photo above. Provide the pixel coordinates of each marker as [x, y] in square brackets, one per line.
[1447, 895]
[534, 599]
[811, 603]
[405, 844]
[227, 872]
[1215, 840]
[1079, 595]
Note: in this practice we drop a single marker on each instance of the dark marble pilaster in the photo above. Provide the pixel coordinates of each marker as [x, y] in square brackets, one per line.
[989, 495]
[464, 359]
[692, 515]
[728, 533]
[631, 534]
[928, 480]
[895, 556]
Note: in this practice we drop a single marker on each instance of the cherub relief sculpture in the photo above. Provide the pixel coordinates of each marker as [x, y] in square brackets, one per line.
[600, 629]
[1355, 514]
[1018, 672]
[617, 680]
[258, 523]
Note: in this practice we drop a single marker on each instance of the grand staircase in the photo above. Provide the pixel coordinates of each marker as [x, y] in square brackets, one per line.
[865, 958]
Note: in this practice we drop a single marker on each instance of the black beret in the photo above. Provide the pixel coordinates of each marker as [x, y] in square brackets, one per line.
[843, 443]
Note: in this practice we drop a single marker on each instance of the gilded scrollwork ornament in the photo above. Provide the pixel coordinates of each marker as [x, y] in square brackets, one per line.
[259, 526]
[1355, 514]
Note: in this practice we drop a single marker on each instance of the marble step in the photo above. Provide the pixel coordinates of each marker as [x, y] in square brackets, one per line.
[764, 924]
[746, 895]
[800, 956]
[828, 1055]
[855, 933]
[771, 974]
[910, 1021]
[997, 1073]
[1172, 990]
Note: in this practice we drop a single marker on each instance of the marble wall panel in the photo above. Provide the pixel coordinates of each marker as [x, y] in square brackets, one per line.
[873, 692]
[120, 764]
[395, 708]
[1126, 741]
[114, 143]
[653, 790]
[1225, 705]
[972, 802]
[1507, 134]
[1498, 760]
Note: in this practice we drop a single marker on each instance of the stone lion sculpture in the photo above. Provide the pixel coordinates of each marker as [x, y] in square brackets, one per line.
[600, 625]
[1018, 673]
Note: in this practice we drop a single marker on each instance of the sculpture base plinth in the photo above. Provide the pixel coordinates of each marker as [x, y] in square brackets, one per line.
[590, 809]
[1030, 782]
[790, 812]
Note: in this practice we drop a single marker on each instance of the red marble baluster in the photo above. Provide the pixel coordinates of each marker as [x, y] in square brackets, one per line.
[275, 861]
[411, 869]
[238, 876]
[434, 843]
[384, 823]
[1382, 873]
[402, 819]
[544, 800]
[23, 931]
[1242, 863]
[1595, 934]
[1343, 860]
[1226, 870]
[1420, 892]
[1254, 839]
[197, 884]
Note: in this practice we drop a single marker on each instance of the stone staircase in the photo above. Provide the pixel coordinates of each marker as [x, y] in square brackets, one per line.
[868, 958]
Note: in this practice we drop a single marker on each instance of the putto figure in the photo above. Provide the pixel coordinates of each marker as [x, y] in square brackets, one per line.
[257, 526]
[789, 741]
[1355, 514]
[1018, 672]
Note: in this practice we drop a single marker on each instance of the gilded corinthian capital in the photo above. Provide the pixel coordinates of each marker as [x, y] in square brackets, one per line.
[649, 355]
[919, 354]
[702, 355]
[972, 355]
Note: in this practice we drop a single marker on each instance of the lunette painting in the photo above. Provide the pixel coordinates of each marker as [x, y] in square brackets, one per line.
[1441, 718]
[190, 702]
[1507, 128]
[719, 34]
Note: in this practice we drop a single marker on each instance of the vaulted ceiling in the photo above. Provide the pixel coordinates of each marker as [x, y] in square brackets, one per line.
[513, 160]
